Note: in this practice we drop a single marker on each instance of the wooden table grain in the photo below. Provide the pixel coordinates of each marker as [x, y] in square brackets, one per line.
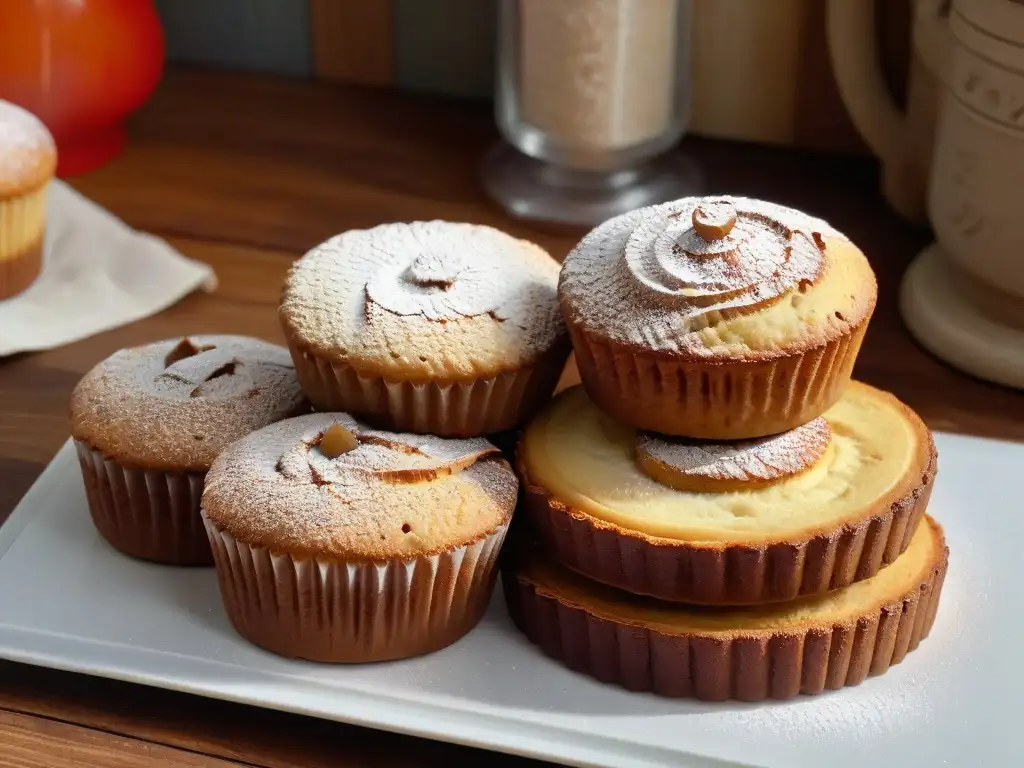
[248, 172]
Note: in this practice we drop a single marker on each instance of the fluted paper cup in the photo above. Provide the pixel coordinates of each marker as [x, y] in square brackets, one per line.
[447, 408]
[22, 225]
[145, 513]
[337, 611]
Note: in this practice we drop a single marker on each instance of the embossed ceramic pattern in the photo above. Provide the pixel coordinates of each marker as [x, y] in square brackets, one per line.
[963, 298]
[975, 199]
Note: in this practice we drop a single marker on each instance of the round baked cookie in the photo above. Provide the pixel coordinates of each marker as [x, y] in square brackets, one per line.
[148, 423]
[720, 317]
[434, 327]
[28, 160]
[751, 654]
[728, 524]
[337, 542]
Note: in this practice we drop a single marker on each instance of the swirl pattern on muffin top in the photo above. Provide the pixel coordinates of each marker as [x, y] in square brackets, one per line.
[177, 403]
[713, 256]
[432, 297]
[377, 456]
[389, 494]
[430, 271]
[655, 275]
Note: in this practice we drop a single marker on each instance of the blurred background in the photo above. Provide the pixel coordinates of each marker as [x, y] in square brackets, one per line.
[773, 82]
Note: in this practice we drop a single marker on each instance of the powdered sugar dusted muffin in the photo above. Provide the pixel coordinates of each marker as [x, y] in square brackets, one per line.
[28, 159]
[451, 329]
[337, 542]
[148, 423]
[721, 318]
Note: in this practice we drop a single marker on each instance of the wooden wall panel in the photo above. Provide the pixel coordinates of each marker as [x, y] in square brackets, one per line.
[270, 36]
[353, 40]
[761, 67]
[762, 72]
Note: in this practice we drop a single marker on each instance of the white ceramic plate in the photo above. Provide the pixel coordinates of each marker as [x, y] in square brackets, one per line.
[68, 601]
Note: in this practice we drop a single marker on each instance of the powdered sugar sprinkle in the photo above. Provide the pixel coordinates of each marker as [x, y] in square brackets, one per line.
[22, 138]
[649, 278]
[764, 459]
[370, 291]
[177, 403]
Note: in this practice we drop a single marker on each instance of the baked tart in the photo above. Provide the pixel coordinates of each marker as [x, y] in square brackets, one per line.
[148, 423]
[769, 652]
[769, 519]
[433, 327]
[722, 318]
[340, 543]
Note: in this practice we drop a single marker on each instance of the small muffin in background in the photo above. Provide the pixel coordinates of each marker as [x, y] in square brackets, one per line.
[721, 318]
[28, 160]
[429, 327]
[148, 423]
[336, 542]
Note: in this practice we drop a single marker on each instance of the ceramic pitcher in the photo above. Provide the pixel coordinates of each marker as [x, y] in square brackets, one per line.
[902, 140]
[976, 201]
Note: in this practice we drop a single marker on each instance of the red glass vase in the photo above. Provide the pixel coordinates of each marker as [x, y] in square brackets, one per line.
[82, 66]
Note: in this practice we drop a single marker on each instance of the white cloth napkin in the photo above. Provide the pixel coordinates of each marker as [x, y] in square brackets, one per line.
[98, 274]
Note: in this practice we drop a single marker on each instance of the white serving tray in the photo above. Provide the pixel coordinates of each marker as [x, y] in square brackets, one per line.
[68, 601]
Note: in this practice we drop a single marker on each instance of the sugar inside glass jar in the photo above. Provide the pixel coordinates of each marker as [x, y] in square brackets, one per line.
[590, 95]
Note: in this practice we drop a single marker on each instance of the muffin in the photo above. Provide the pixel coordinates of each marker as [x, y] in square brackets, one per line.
[752, 654]
[768, 519]
[28, 159]
[719, 318]
[148, 423]
[336, 542]
[433, 327]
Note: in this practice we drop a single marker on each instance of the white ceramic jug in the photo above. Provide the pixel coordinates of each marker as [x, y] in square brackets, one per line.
[964, 297]
[902, 140]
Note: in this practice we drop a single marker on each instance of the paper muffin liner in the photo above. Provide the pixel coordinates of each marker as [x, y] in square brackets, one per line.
[715, 400]
[326, 610]
[446, 408]
[146, 513]
[737, 574]
[22, 228]
[751, 666]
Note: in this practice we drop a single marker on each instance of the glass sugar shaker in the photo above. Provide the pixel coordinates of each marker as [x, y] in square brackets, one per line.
[590, 96]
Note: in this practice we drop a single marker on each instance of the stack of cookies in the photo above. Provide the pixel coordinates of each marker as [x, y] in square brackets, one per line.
[719, 511]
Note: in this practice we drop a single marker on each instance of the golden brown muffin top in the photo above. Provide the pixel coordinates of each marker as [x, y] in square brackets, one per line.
[717, 278]
[425, 300]
[175, 404]
[28, 155]
[374, 496]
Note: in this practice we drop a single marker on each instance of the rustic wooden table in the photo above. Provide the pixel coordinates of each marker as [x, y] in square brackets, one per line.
[246, 173]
